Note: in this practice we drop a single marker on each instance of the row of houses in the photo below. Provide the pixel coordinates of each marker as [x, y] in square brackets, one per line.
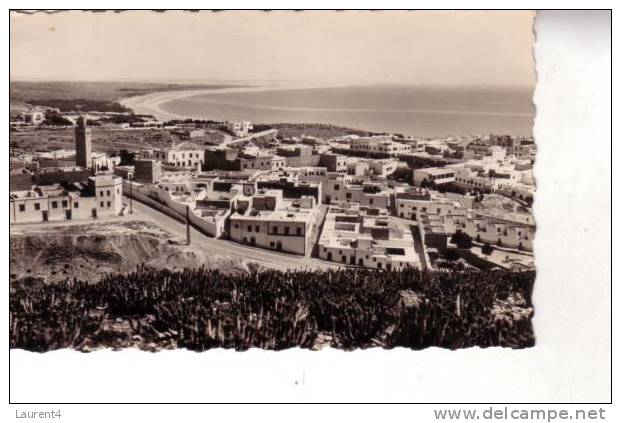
[98, 196]
[440, 216]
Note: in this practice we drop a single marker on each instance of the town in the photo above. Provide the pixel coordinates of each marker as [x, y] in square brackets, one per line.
[382, 201]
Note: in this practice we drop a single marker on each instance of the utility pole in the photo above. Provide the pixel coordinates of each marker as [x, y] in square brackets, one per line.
[187, 224]
[131, 196]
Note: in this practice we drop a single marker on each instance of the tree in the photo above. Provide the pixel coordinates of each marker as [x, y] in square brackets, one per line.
[462, 240]
[53, 119]
[403, 174]
[451, 254]
[487, 249]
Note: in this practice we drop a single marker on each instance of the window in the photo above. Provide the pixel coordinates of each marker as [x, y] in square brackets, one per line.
[348, 195]
[336, 188]
[76, 205]
[275, 231]
[64, 202]
[108, 193]
[101, 204]
[22, 207]
[236, 226]
[249, 228]
[37, 206]
[370, 201]
[401, 205]
[286, 230]
[298, 231]
[256, 228]
[272, 244]
[101, 193]
[54, 204]
[118, 191]
[108, 204]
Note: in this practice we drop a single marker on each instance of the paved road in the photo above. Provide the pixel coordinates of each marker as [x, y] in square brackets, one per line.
[232, 141]
[225, 247]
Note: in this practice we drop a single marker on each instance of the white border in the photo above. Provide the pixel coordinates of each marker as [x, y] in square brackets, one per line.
[570, 362]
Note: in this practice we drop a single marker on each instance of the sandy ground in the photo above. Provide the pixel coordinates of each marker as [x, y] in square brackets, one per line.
[56, 251]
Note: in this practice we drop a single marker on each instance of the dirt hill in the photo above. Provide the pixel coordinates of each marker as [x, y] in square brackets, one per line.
[91, 251]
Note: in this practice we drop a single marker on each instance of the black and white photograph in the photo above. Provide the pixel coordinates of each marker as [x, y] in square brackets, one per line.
[350, 204]
[283, 181]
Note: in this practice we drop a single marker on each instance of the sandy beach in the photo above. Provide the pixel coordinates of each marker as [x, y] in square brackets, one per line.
[409, 110]
[150, 104]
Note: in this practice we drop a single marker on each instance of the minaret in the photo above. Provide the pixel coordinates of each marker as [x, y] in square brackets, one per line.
[82, 144]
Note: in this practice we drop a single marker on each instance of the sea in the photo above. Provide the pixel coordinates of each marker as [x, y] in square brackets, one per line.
[408, 110]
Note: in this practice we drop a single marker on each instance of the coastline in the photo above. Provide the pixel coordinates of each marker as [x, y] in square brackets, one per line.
[431, 121]
[150, 104]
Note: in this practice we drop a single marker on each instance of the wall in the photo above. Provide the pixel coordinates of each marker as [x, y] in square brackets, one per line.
[265, 238]
[20, 182]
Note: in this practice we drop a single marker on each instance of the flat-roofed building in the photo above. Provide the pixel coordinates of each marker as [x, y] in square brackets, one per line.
[437, 175]
[379, 146]
[182, 155]
[147, 171]
[367, 167]
[334, 162]
[267, 220]
[239, 128]
[259, 162]
[351, 189]
[101, 196]
[366, 237]
[411, 203]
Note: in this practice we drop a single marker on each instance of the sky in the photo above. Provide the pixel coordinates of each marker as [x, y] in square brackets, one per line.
[492, 48]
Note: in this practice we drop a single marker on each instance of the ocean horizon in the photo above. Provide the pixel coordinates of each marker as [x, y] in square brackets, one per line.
[409, 110]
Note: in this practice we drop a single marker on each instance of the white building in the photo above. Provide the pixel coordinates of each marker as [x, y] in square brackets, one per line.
[239, 129]
[411, 203]
[380, 145]
[366, 167]
[101, 161]
[183, 155]
[267, 220]
[102, 196]
[34, 117]
[437, 175]
[352, 189]
[365, 237]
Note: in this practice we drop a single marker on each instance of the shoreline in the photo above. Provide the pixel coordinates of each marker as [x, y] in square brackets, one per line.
[150, 104]
[154, 104]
